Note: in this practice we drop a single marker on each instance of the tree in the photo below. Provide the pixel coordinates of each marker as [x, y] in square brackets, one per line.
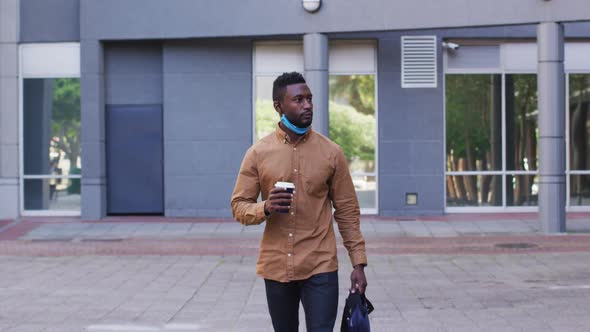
[353, 131]
[65, 127]
[358, 90]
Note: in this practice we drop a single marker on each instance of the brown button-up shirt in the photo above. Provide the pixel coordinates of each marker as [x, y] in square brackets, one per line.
[301, 243]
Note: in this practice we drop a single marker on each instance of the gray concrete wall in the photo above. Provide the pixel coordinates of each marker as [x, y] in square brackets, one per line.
[9, 155]
[207, 123]
[411, 138]
[138, 19]
[93, 129]
[133, 73]
[49, 20]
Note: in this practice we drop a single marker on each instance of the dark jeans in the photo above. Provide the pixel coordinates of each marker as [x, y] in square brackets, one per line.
[319, 295]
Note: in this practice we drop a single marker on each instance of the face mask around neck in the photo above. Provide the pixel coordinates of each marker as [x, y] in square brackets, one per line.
[292, 127]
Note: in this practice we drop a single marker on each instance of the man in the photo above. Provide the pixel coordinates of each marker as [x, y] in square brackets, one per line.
[297, 257]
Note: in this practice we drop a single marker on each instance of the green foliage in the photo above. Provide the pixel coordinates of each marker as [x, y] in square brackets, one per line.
[353, 131]
[468, 114]
[358, 90]
[266, 118]
[65, 127]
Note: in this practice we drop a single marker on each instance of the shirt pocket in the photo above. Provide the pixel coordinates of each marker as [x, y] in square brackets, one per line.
[316, 178]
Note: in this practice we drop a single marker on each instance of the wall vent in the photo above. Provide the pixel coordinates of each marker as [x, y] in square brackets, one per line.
[419, 62]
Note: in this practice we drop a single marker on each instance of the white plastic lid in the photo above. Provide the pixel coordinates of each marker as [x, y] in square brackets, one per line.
[286, 185]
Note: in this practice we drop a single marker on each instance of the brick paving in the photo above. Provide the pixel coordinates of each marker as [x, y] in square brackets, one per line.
[156, 274]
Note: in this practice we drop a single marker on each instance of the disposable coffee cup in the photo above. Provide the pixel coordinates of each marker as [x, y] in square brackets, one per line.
[289, 187]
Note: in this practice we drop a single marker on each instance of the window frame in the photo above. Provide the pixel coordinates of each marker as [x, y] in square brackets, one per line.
[68, 67]
[504, 172]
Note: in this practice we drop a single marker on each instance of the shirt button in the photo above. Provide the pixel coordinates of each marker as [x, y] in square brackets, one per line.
[294, 149]
[289, 254]
[295, 170]
[290, 234]
[292, 213]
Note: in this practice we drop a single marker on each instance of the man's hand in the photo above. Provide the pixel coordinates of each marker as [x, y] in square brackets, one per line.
[279, 200]
[358, 279]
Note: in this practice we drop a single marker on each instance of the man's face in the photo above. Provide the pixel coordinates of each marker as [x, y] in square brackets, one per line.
[297, 105]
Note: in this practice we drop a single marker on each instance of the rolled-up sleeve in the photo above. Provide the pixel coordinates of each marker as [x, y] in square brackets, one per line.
[347, 211]
[245, 207]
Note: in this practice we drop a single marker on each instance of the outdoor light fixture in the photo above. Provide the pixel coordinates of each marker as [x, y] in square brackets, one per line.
[411, 198]
[311, 6]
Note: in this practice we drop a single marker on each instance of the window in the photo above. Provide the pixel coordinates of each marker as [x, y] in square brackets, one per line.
[271, 59]
[492, 126]
[491, 140]
[579, 139]
[352, 110]
[50, 119]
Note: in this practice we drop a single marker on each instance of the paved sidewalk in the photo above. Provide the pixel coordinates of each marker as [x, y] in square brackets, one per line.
[164, 228]
[452, 273]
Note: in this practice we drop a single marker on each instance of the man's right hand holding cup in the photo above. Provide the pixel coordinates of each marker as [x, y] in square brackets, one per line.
[280, 198]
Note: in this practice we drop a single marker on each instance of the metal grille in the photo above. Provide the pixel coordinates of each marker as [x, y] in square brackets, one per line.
[419, 62]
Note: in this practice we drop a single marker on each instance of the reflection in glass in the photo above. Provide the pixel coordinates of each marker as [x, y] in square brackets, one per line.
[473, 122]
[52, 194]
[474, 190]
[366, 189]
[579, 101]
[522, 190]
[352, 119]
[266, 116]
[521, 122]
[51, 116]
[580, 189]
[51, 143]
[353, 127]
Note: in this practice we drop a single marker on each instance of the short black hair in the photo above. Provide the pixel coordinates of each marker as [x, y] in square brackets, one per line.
[279, 87]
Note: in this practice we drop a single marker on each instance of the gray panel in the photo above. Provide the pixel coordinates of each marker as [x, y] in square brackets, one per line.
[208, 56]
[579, 29]
[93, 130]
[9, 10]
[474, 57]
[9, 198]
[110, 19]
[411, 138]
[134, 159]
[49, 20]
[201, 162]
[8, 110]
[200, 191]
[430, 191]
[208, 94]
[93, 199]
[427, 157]
[181, 125]
[133, 73]
[93, 155]
[208, 117]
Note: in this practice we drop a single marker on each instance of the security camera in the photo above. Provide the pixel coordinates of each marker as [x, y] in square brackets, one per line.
[450, 46]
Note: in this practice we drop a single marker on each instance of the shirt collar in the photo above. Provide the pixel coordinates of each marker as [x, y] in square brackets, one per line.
[284, 137]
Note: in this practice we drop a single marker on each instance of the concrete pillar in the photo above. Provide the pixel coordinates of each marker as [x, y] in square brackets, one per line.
[92, 101]
[315, 49]
[551, 93]
[9, 96]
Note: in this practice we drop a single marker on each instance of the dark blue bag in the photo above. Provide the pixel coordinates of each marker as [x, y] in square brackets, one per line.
[355, 317]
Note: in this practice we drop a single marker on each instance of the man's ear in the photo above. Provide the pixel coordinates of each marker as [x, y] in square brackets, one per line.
[277, 106]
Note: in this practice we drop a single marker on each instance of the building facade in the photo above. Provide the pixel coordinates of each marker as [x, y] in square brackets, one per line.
[147, 107]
